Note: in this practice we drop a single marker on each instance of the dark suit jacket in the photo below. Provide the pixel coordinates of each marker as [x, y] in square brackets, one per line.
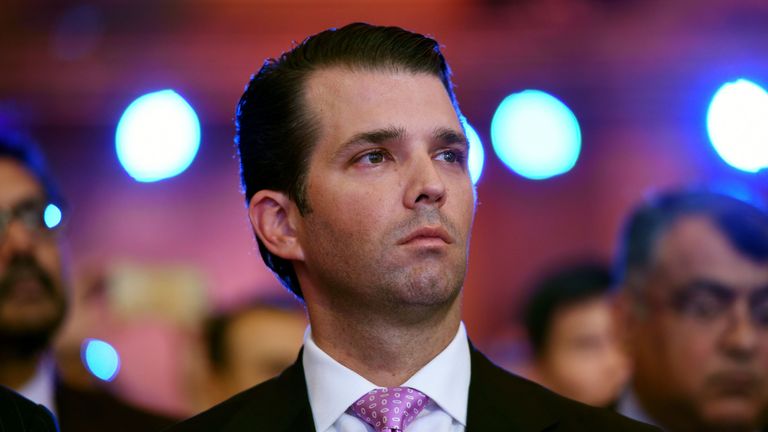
[19, 414]
[98, 411]
[498, 401]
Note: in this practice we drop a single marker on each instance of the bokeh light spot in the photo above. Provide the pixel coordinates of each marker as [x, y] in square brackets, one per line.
[158, 136]
[476, 152]
[535, 135]
[101, 359]
[52, 216]
[737, 123]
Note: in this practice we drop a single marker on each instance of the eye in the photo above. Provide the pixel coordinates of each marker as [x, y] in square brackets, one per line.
[451, 156]
[373, 157]
[760, 314]
[703, 306]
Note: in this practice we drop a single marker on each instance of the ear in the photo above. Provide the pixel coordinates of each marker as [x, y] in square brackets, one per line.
[273, 217]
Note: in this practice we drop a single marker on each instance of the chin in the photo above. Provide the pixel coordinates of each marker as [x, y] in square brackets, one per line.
[733, 415]
[429, 287]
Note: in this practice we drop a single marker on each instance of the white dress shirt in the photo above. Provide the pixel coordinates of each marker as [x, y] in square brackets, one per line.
[629, 406]
[39, 388]
[332, 388]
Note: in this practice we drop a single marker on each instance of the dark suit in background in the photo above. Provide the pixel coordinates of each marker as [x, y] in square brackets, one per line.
[98, 411]
[19, 414]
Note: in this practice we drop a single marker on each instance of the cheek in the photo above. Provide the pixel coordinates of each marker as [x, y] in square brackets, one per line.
[49, 258]
[353, 211]
[687, 353]
[762, 356]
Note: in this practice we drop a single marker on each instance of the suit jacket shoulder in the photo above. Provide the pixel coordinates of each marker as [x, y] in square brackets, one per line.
[498, 402]
[501, 401]
[99, 411]
[19, 414]
[280, 404]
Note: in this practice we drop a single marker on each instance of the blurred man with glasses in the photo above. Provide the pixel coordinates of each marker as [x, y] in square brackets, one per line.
[32, 295]
[33, 300]
[693, 270]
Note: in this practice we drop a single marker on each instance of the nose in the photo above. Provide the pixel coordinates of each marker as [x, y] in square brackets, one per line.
[17, 238]
[739, 339]
[425, 185]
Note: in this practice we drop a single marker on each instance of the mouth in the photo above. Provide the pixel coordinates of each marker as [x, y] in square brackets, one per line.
[436, 235]
[27, 290]
[25, 283]
[736, 382]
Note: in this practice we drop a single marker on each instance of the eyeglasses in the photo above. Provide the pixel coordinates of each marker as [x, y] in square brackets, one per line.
[38, 217]
[708, 302]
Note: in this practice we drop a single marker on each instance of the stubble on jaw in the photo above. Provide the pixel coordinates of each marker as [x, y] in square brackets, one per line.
[395, 288]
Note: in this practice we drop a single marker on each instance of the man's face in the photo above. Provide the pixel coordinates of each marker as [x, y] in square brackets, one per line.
[583, 359]
[391, 199]
[32, 300]
[701, 344]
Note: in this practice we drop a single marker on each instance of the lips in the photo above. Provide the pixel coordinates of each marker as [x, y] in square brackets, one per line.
[23, 278]
[735, 382]
[427, 234]
[27, 289]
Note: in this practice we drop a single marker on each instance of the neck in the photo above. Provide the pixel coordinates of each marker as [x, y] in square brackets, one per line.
[372, 345]
[15, 371]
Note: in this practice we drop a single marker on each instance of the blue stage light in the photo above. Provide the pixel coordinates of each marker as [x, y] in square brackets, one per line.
[737, 123]
[101, 359]
[476, 152]
[158, 136]
[52, 216]
[535, 135]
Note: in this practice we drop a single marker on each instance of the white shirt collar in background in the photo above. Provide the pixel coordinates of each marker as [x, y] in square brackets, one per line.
[39, 389]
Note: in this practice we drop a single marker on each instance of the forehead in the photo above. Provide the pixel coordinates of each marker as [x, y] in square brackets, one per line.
[17, 183]
[586, 316]
[348, 100]
[694, 248]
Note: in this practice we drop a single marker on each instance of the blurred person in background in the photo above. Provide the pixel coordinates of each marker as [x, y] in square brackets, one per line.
[572, 333]
[251, 344]
[693, 268]
[34, 300]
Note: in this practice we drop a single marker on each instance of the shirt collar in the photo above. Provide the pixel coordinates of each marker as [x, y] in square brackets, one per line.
[332, 387]
[629, 406]
[40, 387]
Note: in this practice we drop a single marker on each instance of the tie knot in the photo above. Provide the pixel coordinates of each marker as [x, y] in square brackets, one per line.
[390, 409]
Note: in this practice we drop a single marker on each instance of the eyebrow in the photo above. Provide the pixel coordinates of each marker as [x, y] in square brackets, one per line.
[377, 136]
[442, 135]
[711, 286]
[447, 136]
[30, 201]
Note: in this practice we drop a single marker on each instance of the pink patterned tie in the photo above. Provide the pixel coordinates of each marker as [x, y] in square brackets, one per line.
[390, 409]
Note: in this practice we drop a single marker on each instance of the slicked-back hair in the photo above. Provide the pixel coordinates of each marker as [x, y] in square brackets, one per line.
[275, 132]
[744, 225]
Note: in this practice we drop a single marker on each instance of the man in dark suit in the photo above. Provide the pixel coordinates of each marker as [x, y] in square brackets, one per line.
[33, 300]
[354, 165]
[19, 414]
[694, 301]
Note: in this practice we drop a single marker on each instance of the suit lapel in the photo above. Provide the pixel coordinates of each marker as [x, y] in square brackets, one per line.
[500, 401]
[285, 409]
